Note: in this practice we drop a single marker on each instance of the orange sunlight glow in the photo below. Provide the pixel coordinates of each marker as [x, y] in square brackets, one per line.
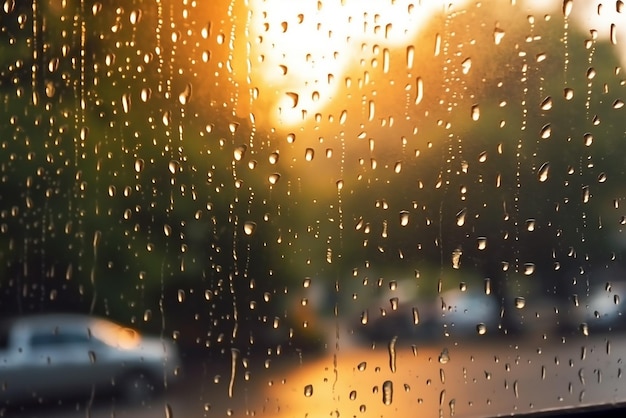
[301, 51]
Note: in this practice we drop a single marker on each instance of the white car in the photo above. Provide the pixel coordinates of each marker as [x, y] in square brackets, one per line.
[52, 356]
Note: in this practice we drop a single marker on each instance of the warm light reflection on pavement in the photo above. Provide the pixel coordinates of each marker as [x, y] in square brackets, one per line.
[500, 377]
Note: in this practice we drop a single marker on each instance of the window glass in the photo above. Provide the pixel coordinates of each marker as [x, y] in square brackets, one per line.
[345, 208]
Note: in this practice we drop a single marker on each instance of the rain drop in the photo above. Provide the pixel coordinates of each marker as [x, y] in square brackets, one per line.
[481, 329]
[466, 65]
[273, 178]
[460, 217]
[185, 95]
[520, 302]
[416, 316]
[387, 392]
[308, 391]
[404, 218]
[239, 152]
[546, 104]
[475, 112]
[444, 357]
[567, 7]
[139, 164]
[543, 172]
[498, 34]
[584, 328]
[529, 269]
[249, 227]
[173, 166]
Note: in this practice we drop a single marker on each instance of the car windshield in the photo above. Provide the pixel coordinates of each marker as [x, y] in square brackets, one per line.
[328, 207]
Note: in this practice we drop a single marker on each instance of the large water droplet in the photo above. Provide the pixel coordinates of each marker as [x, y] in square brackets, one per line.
[273, 178]
[404, 218]
[249, 227]
[387, 392]
[543, 172]
[546, 104]
[444, 357]
[460, 217]
[475, 112]
[392, 354]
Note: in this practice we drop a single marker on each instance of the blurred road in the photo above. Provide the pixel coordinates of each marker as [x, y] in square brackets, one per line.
[497, 377]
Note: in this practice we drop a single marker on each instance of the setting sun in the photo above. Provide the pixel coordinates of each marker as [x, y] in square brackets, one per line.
[302, 50]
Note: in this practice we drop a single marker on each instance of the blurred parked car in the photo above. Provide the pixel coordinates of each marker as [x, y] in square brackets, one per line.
[455, 313]
[49, 357]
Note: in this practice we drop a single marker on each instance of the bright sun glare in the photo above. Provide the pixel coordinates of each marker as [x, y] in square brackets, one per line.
[302, 50]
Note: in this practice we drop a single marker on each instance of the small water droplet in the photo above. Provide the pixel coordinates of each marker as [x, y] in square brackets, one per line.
[361, 366]
[520, 302]
[481, 329]
[309, 154]
[308, 391]
[481, 243]
[568, 93]
[92, 356]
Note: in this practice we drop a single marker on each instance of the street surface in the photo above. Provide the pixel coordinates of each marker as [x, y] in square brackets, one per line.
[497, 377]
